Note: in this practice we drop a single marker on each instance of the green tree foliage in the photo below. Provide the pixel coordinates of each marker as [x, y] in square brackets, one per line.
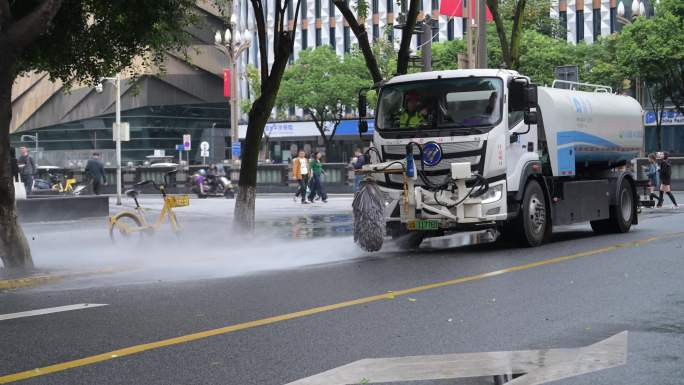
[445, 54]
[74, 41]
[324, 85]
[650, 49]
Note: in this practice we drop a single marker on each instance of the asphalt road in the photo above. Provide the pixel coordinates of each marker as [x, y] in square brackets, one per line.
[536, 300]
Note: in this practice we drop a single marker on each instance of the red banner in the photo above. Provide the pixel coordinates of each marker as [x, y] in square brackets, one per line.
[226, 82]
[454, 8]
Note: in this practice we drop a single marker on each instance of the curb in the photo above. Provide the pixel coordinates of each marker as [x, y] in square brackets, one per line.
[38, 280]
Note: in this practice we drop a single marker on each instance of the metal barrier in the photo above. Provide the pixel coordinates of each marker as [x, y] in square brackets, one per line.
[271, 177]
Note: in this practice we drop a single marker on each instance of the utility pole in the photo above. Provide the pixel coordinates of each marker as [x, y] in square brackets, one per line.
[118, 139]
[481, 14]
[426, 49]
[476, 35]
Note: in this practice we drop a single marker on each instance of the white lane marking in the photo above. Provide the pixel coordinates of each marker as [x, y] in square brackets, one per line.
[50, 310]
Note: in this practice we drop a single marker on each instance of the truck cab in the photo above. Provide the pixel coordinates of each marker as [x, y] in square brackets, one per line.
[482, 157]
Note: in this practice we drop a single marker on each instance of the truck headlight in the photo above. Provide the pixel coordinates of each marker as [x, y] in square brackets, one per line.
[492, 195]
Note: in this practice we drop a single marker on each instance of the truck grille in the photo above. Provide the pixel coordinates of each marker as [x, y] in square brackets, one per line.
[472, 152]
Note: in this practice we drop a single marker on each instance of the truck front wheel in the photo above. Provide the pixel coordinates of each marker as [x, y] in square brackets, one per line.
[621, 215]
[531, 225]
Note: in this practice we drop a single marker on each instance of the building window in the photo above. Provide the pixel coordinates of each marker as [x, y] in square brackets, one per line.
[390, 32]
[435, 5]
[303, 5]
[465, 26]
[420, 5]
[318, 9]
[376, 32]
[563, 20]
[375, 6]
[305, 40]
[347, 39]
[318, 37]
[579, 26]
[390, 6]
[333, 43]
[450, 29]
[613, 20]
[291, 110]
[597, 23]
[289, 10]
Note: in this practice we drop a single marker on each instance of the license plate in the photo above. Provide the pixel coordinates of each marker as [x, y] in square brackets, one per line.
[422, 224]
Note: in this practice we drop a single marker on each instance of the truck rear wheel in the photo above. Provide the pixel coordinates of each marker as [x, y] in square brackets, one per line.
[621, 214]
[532, 223]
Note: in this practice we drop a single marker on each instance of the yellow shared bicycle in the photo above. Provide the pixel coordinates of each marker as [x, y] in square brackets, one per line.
[129, 223]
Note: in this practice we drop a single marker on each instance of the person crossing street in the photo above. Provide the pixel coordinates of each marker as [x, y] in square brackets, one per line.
[316, 173]
[300, 172]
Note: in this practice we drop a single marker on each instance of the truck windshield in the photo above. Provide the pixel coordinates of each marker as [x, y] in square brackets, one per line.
[472, 103]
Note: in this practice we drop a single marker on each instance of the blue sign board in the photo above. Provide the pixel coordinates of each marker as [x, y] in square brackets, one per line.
[236, 149]
[180, 147]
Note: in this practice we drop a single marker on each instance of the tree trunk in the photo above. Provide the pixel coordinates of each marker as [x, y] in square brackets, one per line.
[516, 34]
[14, 248]
[404, 54]
[362, 37]
[258, 117]
[493, 6]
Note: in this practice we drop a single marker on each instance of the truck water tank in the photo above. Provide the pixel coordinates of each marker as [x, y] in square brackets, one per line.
[596, 129]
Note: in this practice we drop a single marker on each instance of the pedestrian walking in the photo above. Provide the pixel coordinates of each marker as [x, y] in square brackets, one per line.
[665, 180]
[653, 177]
[317, 184]
[27, 169]
[358, 164]
[95, 173]
[300, 172]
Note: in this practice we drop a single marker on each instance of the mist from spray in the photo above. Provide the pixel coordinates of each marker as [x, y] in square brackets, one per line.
[287, 237]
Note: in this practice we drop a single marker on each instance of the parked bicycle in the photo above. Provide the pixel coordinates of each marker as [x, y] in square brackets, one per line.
[127, 224]
[70, 186]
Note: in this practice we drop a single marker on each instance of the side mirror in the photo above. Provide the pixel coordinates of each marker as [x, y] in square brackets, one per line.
[530, 117]
[363, 101]
[363, 126]
[530, 91]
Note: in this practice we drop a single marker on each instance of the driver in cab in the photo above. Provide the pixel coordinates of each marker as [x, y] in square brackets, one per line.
[410, 116]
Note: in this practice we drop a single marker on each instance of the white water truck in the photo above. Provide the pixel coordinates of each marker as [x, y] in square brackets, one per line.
[473, 151]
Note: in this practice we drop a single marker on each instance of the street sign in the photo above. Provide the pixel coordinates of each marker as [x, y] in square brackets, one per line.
[236, 149]
[159, 153]
[204, 153]
[204, 146]
[531, 367]
[186, 142]
[567, 73]
[122, 131]
[180, 147]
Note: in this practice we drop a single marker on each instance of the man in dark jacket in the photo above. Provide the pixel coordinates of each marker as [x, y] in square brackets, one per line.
[95, 173]
[27, 168]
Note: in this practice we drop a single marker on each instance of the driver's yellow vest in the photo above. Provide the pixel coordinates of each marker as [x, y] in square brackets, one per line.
[410, 120]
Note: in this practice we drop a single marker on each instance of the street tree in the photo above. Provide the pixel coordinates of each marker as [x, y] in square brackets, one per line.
[650, 49]
[324, 85]
[282, 43]
[75, 41]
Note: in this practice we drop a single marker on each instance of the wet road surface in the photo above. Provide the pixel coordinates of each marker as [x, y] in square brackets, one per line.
[277, 308]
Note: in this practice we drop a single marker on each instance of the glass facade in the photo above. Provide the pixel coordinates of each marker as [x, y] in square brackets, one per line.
[151, 128]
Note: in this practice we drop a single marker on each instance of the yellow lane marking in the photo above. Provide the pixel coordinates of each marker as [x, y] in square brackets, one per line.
[313, 311]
